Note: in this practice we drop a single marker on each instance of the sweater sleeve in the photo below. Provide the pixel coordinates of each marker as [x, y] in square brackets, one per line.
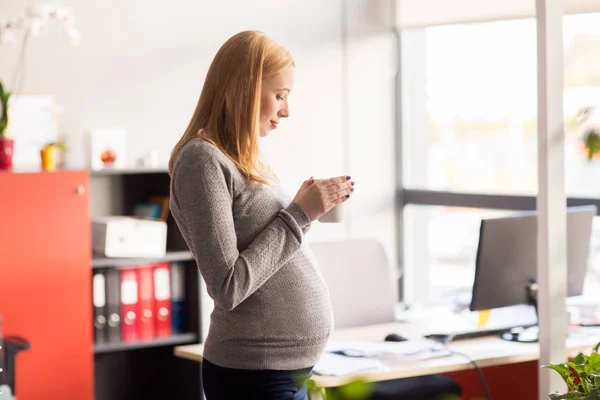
[203, 196]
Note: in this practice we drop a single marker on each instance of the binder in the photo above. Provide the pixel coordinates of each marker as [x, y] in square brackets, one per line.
[163, 203]
[162, 299]
[113, 304]
[100, 306]
[129, 305]
[178, 297]
[146, 323]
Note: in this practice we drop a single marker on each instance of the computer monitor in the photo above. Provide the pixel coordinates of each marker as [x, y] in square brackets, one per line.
[506, 263]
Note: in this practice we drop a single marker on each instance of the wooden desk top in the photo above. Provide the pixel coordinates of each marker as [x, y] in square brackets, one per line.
[485, 351]
[190, 352]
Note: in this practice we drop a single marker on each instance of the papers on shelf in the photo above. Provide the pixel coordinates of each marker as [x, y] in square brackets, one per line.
[343, 358]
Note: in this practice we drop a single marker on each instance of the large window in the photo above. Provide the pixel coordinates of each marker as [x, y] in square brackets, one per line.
[470, 137]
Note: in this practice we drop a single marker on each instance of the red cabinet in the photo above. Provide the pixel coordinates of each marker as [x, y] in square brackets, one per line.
[45, 281]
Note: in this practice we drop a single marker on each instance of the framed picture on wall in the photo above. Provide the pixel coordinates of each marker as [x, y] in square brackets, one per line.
[108, 148]
[33, 123]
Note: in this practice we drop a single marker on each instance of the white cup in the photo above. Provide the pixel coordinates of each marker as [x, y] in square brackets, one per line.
[336, 214]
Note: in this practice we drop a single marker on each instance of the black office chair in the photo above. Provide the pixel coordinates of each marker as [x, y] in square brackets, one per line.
[12, 345]
[363, 291]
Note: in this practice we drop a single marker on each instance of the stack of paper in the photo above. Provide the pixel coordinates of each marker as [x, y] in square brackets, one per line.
[337, 365]
[372, 349]
[350, 357]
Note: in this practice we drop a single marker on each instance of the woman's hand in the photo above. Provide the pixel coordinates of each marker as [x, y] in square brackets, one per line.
[316, 197]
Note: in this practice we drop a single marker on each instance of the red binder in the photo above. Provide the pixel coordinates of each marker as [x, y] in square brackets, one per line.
[129, 305]
[162, 299]
[146, 314]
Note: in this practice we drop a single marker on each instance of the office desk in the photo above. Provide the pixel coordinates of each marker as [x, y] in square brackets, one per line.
[486, 352]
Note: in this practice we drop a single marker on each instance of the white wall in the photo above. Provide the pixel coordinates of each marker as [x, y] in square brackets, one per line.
[371, 62]
[141, 66]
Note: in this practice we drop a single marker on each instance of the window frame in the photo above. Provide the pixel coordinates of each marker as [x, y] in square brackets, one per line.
[410, 96]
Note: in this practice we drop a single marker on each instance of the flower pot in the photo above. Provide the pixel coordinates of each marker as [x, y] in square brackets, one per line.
[48, 158]
[7, 147]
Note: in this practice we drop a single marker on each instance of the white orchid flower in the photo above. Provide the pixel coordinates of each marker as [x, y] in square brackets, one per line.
[38, 26]
[40, 11]
[63, 15]
[8, 31]
[36, 21]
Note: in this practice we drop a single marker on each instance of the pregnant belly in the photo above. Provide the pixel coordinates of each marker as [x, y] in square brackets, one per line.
[300, 310]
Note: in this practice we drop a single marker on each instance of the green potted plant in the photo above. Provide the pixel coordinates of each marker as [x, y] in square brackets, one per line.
[590, 133]
[6, 144]
[591, 140]
[582, 376]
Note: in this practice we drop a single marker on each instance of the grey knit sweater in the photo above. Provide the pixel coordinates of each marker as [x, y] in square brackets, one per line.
[272, 308]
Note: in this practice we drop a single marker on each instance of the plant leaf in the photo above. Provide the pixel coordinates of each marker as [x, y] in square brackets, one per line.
[59, 145]
[356, 390]
[595, 395]
[577, 379]
[580, 359]
[593, 364]
[562, 370]
[4, 96]
[565, 396]
[595, 380]
[592, 142]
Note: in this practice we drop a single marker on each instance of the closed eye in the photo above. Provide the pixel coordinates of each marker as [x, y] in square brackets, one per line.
[279, 97]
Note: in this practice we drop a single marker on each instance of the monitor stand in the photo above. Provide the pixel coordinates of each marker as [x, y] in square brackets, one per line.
[528, 334]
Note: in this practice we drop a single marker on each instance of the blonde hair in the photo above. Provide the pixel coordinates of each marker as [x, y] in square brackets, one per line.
[228, 111]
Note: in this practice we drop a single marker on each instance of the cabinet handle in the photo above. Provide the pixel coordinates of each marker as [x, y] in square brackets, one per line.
[80, 190]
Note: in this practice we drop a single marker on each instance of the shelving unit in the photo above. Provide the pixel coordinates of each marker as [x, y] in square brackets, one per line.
[145, 369]
[183, 338]
[127, 171]
[171, 256]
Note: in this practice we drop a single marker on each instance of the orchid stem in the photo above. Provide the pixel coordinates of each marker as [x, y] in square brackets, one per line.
[19, 74]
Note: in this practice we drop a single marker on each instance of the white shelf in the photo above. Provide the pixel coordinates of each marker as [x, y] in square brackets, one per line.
[182, 338]
[171, 256]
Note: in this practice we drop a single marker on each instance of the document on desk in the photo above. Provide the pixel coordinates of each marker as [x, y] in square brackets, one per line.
[357, 348]
[338, 365]
[348, 357]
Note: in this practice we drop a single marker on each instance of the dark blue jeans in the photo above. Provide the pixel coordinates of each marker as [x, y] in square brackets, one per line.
[226, 383]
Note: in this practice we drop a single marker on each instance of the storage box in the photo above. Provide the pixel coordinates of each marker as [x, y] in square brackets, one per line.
[120, 236]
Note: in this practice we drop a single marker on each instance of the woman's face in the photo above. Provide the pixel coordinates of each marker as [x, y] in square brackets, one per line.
[274, 99]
